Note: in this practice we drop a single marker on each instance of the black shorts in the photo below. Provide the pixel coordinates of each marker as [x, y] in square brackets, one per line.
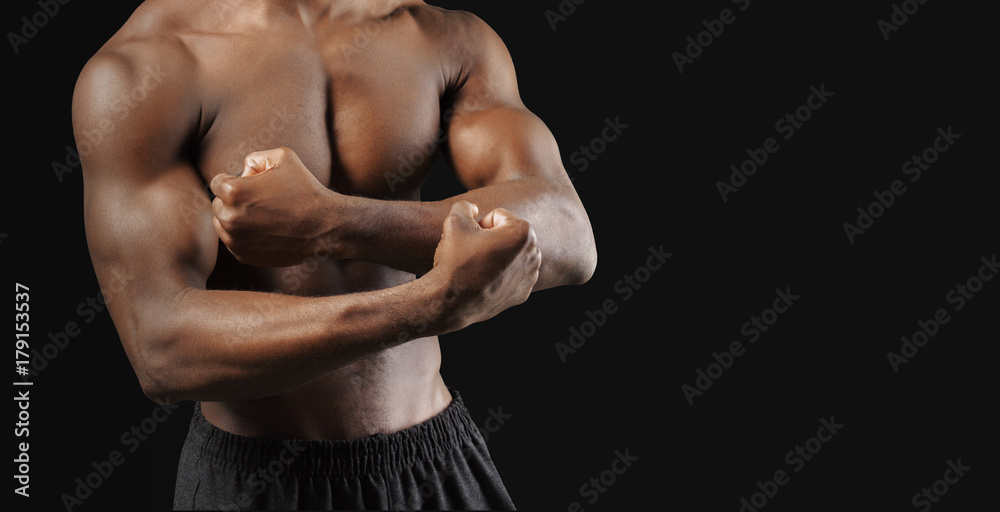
[439, 464]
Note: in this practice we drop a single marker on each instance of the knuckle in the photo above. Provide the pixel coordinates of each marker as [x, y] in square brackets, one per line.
[223, 223]
[216, 184]
[523, 230]
[460, 207]
[452, 222]
[228, 218]
[229, 192]
[536, 258]
[532, 238]
[458, 222]
[224, 215]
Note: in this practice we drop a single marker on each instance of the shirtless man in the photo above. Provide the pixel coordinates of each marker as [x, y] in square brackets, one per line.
[314, 124]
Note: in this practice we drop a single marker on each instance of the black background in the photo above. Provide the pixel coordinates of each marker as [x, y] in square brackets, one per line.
[654, 185]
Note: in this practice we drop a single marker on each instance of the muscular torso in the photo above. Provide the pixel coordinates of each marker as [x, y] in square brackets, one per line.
[356, 97]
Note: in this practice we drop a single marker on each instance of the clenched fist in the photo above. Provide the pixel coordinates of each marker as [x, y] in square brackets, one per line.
[275, 212]
[489, 265]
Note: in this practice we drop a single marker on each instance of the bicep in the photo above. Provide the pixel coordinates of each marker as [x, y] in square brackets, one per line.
[149, 240]
[492, 136]
[157, 232]
[502, 144]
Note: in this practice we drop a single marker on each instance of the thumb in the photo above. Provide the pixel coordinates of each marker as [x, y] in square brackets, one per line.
[462, 215]
[497, 217]
[465, 209]
[259, 162]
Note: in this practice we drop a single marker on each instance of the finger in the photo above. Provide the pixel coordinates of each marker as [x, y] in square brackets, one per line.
[263, 161]
[532, 241]
[223, 235]
[465, 209]
[217, 207]
[462, 216]
[224, 215]
[222, 186]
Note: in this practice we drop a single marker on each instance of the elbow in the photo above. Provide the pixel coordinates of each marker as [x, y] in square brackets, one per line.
[158, 380]
[159, 349]
[584, 262]
[170, 372]
[585, 253]
[156, 391]
[160, 373]
[586, 265]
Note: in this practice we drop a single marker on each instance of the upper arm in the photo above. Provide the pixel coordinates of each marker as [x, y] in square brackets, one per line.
[146, 213]
[492, 136]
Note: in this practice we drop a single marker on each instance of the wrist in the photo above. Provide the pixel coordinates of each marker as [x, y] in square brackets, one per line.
[336, 237]
[441, 302]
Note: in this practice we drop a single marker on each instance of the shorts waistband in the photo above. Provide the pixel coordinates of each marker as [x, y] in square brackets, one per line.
[381, 453]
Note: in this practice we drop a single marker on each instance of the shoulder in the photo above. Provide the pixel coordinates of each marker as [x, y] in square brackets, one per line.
[146, 52]
[145, 45]
[471, 50]
[141, 82]
[457, 28]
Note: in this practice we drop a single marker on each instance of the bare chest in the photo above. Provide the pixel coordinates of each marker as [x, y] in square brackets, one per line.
[365, 121]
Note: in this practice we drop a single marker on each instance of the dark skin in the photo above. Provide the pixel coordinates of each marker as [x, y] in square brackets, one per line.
[313, 123]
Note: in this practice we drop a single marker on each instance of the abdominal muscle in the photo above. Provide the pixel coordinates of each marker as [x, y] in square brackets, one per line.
[386, 392]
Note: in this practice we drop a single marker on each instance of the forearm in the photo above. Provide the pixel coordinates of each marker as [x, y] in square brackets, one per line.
[403, 234]
[237, 345]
